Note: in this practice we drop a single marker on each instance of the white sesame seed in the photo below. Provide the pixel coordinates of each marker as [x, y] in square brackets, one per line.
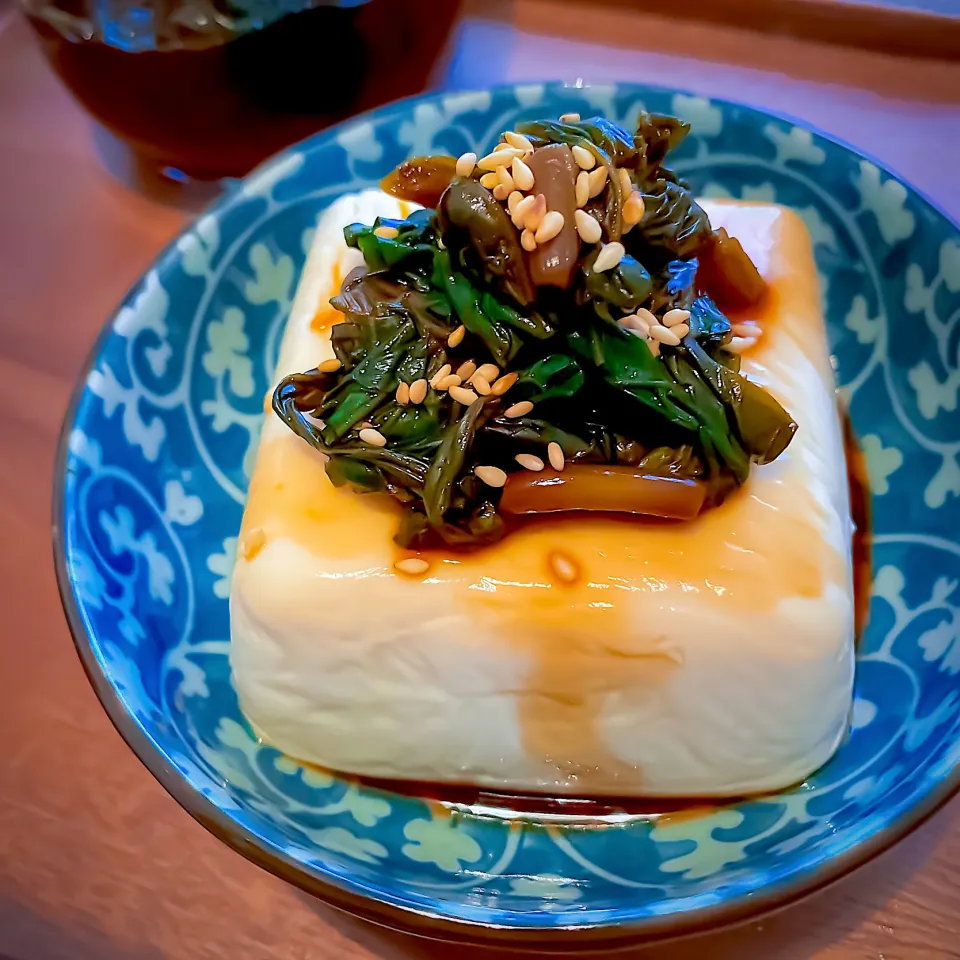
[456, 338]
[518, 140]
[626, 184]
[585, 159]
[412, 565]
[634, 324]
[673, 317]
[522, 174]
[466, 370]
[555, 455]
[499, 158]
[451, 380]
[520, 409]
[513, 201]
[588, 228]
[491, 476]
[386, 233]
[521, 210]
[550, 226]
[528, 241]
[582, 188]
[739, 344]
[597, 180]
[489, 372]
[466, 164]
[565, 569]
[330, 366]
[444, 371]
[481, 385]
[609, 256]
[490, 180]
[418, 391]
[502, 385]
[536, 213]
[462, 395]
[681, 329]
[403, 393]
[569, 117]
[664, 335]
[633, 209]
[529, 462]
[374, 437]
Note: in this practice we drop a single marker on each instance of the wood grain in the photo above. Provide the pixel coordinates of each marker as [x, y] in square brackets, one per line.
[96, 861]
[907, 27]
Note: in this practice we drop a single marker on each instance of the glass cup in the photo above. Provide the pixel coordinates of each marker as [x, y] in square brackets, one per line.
[205, 89]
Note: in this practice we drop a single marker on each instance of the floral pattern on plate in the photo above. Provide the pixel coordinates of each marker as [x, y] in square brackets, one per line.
[161, 442]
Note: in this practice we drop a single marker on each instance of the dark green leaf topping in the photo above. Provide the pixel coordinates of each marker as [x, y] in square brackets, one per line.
[597, 390]
[482, 240]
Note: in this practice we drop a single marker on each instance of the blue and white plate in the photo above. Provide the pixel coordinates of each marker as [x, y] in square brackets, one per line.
[157, 450]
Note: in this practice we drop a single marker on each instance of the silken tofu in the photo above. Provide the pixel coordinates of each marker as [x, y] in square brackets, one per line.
[713, 657]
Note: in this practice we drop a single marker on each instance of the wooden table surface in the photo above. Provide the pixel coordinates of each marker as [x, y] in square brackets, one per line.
[96, 861]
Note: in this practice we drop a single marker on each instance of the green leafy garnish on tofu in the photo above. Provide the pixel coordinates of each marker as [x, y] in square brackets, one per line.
[450, 357]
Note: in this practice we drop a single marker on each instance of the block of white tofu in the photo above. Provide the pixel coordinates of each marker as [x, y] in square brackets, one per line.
[713, 657]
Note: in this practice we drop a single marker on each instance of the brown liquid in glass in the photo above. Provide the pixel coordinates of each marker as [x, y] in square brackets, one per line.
[219, 110]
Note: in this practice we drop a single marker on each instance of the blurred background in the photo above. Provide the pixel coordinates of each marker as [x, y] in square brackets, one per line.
[205, 89]
[119, 120]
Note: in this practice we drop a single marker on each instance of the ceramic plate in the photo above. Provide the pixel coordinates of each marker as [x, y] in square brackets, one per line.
[157, 450]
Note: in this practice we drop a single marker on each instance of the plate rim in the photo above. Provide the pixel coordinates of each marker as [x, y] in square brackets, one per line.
[340, 892]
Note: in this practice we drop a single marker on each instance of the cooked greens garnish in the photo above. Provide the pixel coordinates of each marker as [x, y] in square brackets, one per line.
[483, 241]
[450, 288]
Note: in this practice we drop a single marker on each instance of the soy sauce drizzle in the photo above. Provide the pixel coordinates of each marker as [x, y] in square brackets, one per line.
[460, 799]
